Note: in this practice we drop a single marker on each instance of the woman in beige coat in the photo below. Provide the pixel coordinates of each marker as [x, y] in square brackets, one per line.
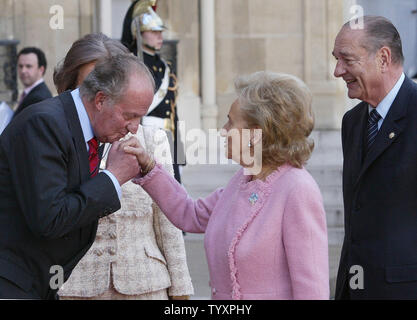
[138, 254]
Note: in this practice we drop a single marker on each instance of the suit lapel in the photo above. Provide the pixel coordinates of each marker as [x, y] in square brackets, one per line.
[27, 99]
[77, 134]
[356, 150]
[391, 128]
[100, 151]
[31, 93]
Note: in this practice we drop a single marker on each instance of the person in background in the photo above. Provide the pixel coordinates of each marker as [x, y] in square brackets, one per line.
[31, 67]
[149, 39]
[265, 232]
[137, 254]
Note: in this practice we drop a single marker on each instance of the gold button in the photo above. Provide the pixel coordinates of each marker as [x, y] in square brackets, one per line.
[166, 101]
[167, 113]
[154, 68]
[160, 69]
[112, 235]
[112, 251]
[98, 252]
[392, 135]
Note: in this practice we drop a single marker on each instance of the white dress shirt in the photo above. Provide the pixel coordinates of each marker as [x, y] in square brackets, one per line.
[384, 106]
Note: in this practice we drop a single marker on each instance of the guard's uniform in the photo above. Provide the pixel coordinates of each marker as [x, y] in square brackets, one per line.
[163, 112]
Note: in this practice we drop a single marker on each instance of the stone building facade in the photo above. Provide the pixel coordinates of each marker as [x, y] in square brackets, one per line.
[284, 36]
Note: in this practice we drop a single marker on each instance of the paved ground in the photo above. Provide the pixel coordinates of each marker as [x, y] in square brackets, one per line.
[197, 264]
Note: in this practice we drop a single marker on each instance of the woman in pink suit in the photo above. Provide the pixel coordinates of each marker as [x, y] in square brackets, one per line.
[265, 232]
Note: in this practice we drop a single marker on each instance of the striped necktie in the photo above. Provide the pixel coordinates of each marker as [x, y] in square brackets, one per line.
[93, 156]
[373, 119]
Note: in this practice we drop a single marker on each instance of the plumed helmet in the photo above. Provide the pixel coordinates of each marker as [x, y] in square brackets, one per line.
[146, 16]
[141, 14]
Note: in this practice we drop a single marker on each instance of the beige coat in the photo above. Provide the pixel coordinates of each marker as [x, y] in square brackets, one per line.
[144, 250]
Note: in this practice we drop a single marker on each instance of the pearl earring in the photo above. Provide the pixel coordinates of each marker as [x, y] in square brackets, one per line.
[249, 144]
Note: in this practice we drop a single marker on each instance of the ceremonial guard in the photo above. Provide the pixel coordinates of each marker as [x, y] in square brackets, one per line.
[142, 34]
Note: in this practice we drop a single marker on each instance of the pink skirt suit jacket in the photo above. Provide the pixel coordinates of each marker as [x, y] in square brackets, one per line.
[263, 239]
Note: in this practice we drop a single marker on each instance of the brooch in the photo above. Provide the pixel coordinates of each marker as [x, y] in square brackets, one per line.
[253, 198]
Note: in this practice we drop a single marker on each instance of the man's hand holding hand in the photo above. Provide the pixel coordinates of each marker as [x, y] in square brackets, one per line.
[122, 165]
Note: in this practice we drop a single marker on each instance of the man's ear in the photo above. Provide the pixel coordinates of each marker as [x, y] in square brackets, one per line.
[99, 100]
[384, 58]
[42, 70]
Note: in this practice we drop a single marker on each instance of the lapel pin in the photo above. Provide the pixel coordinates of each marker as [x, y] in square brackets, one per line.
[391, 135]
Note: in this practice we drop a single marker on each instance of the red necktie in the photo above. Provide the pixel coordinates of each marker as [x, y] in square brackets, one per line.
[93, 156]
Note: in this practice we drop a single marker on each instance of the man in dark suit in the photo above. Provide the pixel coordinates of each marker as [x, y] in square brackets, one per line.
[51, 194]
[379, 139]
[31, 67]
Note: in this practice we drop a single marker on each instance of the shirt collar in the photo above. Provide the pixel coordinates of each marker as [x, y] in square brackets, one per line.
[82, 115]
[384, 106]
[29, 89]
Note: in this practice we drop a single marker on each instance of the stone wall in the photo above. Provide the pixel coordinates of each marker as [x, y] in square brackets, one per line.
[182, 20]
[282, 36]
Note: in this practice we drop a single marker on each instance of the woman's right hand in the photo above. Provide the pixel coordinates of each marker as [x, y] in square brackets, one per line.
[133, 146]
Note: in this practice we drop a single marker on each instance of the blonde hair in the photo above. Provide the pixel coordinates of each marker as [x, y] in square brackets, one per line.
[280, 105]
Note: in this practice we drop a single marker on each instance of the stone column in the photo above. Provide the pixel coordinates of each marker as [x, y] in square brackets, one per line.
[208, 65]
[105, 17]
[322, 21]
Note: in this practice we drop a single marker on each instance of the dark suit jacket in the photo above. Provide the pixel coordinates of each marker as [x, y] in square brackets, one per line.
[37, 94]
[380, 201]
[49, 205]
